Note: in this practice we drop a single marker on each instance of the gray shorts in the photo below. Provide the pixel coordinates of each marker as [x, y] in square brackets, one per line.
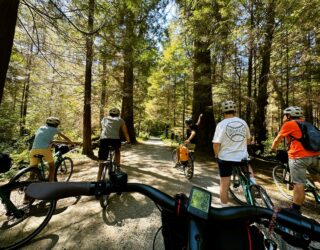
[299, 166]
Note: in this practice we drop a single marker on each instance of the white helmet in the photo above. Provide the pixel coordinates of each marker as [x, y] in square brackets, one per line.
[294, 111]
[53, 121]
[228, 106]
[114, 111]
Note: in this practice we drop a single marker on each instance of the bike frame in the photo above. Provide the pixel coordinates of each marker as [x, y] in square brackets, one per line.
[309, 185]
[245, 182]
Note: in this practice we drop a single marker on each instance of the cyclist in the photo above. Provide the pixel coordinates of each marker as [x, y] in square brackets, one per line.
[191, 140]
[299, 158]
[110, 136]
[230, 146]
[41, 144]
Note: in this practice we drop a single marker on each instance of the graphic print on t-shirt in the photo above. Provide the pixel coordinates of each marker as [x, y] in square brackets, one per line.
[236, 131]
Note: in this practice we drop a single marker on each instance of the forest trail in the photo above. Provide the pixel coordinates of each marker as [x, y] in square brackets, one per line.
[131, 220]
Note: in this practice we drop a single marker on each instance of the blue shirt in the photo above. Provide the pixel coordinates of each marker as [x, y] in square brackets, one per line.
[44, 137]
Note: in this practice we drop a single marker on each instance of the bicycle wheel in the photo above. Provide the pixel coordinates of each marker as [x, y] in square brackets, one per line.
[236, 188]
[282, 179]
[14, 232]
[188, 169]
[64, 171]
[104, 177]
[260, 197]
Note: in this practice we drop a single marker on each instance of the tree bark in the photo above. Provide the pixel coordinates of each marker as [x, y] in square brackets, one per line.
[87, 147]
[103, 99]
[262, 98]
[8, 19]
[127, 99]
[202, 98]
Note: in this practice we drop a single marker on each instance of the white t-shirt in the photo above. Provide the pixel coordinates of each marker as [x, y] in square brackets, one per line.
[111, 127]
[232, 134]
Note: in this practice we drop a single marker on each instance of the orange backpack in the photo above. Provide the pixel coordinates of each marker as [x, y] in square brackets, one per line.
[184, 153]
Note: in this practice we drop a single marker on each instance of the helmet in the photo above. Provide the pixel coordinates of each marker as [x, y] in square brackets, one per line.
[53, 121]
[188, 121]
[294, 111]
[228, 106]
[114, 111]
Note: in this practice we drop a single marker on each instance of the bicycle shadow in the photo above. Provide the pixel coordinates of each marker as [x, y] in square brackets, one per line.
[115, 214]
[44, 242]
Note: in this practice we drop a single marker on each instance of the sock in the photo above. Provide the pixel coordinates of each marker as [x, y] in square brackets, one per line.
[253, 180]
[296, 207]
[224, 204]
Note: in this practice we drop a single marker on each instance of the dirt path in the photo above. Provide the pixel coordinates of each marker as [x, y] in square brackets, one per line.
[131, 220]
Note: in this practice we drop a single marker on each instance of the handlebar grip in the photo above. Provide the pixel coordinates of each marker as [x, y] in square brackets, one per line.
[59, 190]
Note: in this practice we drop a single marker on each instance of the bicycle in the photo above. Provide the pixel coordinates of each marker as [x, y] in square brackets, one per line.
[63, 164]
[22, 218]
[192, 223]
[244, 191]
[187, 166]
[282, 178]
[109, 171]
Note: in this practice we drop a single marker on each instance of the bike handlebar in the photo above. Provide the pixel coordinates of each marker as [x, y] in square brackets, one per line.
[50, 191]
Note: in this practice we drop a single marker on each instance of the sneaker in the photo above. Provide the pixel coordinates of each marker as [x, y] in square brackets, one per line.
[292, 211]
[177, 165]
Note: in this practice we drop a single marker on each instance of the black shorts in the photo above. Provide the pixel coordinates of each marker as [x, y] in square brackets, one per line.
[104, 147]
[225, 167]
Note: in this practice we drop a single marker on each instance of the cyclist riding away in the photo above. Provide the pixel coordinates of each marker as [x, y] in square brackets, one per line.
[42, 141]
[110, 136]
[230, 146]
[191, 140]
[300, 159]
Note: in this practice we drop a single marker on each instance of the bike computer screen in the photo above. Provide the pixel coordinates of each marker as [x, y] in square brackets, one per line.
[199, 202]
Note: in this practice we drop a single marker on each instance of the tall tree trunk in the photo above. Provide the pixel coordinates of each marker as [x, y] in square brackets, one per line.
[8, 19]
[87, 147]
[103, 98]
[128, 79]
[25, 94]
[202, 98]
[250, 64]
[262, 98]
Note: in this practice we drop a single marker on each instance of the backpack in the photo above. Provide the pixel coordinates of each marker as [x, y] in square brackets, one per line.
[184, 153]
[5, 162]
[310, 139]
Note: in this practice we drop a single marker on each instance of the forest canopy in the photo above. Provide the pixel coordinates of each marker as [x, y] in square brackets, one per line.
[160, 62]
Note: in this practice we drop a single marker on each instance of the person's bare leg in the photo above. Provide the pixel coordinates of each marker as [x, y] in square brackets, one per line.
[298, 194]
[117, 157]
[224, 188]
[51, 172]
[99, 171]
[316, 179]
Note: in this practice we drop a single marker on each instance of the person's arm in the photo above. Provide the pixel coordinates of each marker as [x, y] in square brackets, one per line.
[192, 135]
[276, 142]
[199, 119]
[216, 149]
[65, 137]
[125, 132]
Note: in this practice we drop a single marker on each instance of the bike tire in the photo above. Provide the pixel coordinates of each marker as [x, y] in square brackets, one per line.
[282, 179]
[15, 232]
[188, 169]
[260, 197]
[64, 170]
[104, 198]
[236, 189]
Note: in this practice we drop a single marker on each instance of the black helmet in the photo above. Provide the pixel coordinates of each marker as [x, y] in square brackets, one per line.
[188, 121]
